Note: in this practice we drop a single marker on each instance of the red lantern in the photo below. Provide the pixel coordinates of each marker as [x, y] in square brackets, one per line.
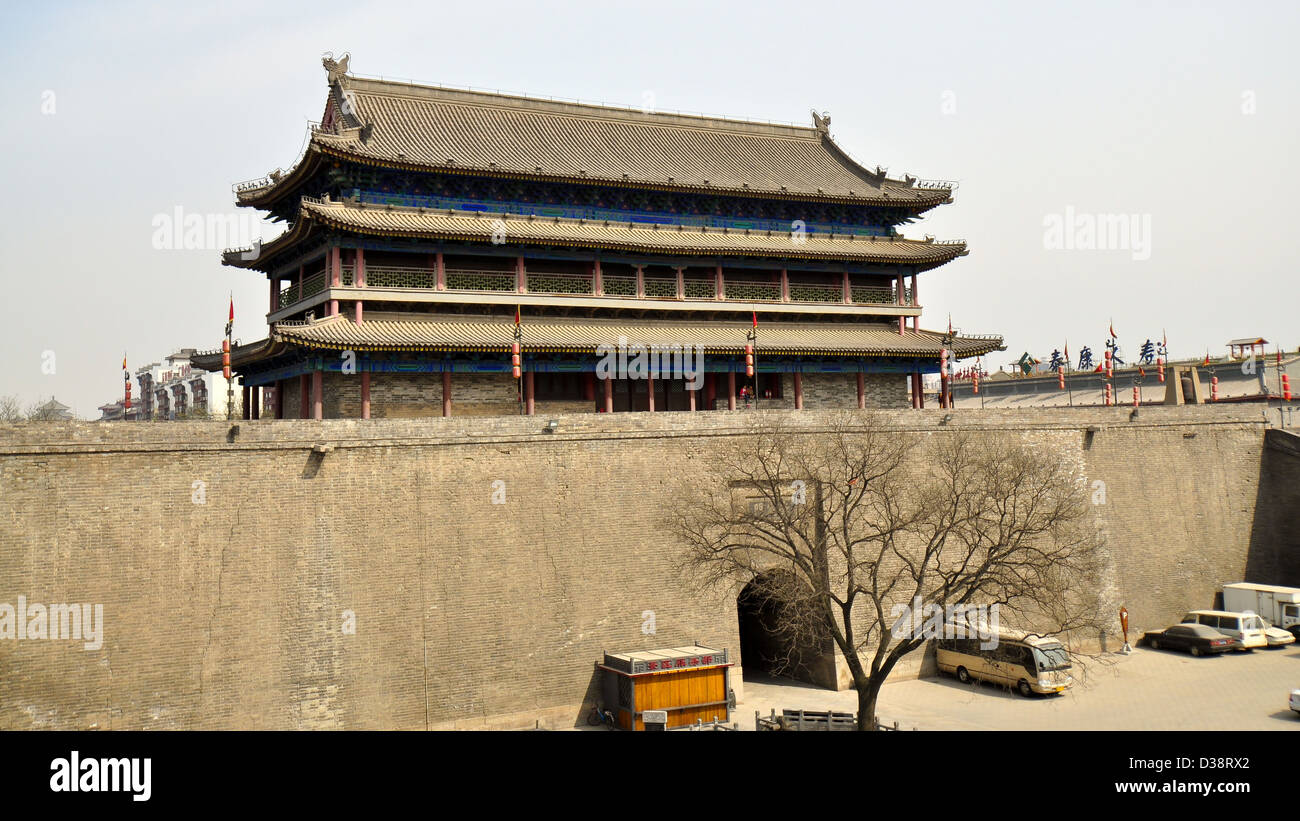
[749, 360]
[1108, 395]
[975, 379]
[1110, 369]
[1060, 377]
[1214, 389]
[1136, 400]
[1286, 387]
[1160, 367]
[515, 369]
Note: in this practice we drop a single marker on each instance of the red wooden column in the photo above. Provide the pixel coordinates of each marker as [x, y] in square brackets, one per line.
[279, 399]
[334, 276]
[248, 403]
[609, 395]
[640, 282]
[848, 291]
[785, 285]
[275, 294]
[521, 276]
[257, 403]
[589, 386]
[916, 302]
[650, 392]
[862, 390]
[359, 279]
[597, 282]
[681, 283]
[446, 394]
[317, 395]
[898, 286]
[440, 271]
[710, 390]
[720, 284]
[798, 391]
[304, 396]
[528, 393]
[690, 394]
[365, 394]
[731, 390]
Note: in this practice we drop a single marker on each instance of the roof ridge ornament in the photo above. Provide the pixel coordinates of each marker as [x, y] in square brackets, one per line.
[336, 70]
[822, 122]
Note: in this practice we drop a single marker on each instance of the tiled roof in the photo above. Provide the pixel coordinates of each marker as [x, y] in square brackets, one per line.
[428, 127]
[637, 237]
[399, 331]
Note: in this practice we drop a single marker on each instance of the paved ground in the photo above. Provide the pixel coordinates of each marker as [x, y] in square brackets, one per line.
[1148, 690]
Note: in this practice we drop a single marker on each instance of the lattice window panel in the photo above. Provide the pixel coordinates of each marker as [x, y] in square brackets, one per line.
[816, 293]
[753, 291]
[871, 295]
[559, 284]
[619, 286]
[347, 276]
[701, 289]
[481, 280]
[388, 276]
[661, 287]
[313, 284]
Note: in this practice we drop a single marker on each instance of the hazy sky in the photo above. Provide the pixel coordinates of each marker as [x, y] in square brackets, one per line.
[1183, 118]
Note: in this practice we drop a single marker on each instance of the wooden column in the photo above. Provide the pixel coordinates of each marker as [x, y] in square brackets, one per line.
[589, 386]
[848, 291]
[798, 391]
[731, 390]
[279, 399]
[528, 393]
[710, 390]
[317, 395]
[248, 406]
[690, 395]
[440, 271]
[257, 402]
[609, 395]
[358, 279]
[862, 390]
[916, 302]
[785, 285]
[521, 276]
[681, 283]
[334, 276]
[275, 294]
[365, 394]
[640, 282]
[650, 392]
[597, 281]
[304, 396]
[898, 288]
[446, 394]
[719, 283]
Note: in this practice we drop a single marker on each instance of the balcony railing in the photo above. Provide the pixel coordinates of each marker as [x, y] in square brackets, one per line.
[658, 288]
[743, 291]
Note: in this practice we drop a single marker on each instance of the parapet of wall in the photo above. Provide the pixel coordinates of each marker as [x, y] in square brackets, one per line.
[487, 562]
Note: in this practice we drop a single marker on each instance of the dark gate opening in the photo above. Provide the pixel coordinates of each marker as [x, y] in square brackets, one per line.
[769, 647]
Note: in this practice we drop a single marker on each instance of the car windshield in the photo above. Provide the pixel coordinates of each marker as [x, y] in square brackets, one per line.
[1252, 623]
[1051, 657]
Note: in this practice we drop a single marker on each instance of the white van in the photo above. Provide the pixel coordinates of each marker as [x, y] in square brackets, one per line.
[1246, 628]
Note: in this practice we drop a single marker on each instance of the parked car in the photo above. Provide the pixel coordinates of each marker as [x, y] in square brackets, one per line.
[1295, 700]
[1196, 639]
[1276, 636]
[1246, 628]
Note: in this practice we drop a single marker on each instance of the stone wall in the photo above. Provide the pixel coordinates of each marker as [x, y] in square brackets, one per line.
[228, 558]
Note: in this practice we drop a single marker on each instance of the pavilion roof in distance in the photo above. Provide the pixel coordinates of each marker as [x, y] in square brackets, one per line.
[421, 127]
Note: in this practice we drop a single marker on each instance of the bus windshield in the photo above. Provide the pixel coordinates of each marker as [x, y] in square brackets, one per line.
[1051, 657]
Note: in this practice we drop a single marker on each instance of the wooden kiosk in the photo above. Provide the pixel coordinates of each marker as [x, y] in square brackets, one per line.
[689, 683]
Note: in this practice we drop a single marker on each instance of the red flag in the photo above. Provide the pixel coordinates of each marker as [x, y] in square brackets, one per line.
[1113, 335]
[232, 309]
[1207, 358]
[516, 316]
[123, 361]
[755, 320]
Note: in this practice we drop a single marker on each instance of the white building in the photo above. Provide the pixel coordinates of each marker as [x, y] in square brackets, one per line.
[174, 389]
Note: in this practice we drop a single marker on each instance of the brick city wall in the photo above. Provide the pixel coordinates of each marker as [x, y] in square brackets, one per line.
[225, 561]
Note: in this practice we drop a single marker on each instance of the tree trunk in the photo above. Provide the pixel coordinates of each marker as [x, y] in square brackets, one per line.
[867, 693]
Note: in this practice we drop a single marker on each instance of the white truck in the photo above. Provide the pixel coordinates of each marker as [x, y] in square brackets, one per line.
[1280, 606]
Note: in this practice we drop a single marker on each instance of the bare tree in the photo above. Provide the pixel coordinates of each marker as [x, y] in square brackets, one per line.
[11, 409]
[854, 526]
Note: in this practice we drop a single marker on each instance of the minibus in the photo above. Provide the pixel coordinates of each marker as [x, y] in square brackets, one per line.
[1031, 664]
